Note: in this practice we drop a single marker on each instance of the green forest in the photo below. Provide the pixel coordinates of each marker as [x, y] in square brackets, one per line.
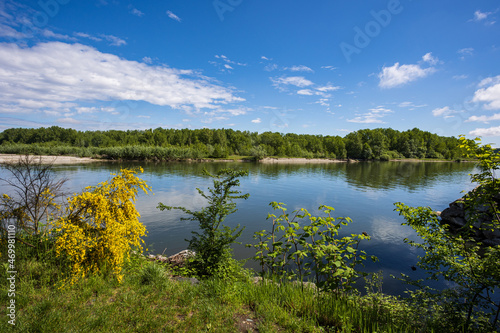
[170, 144]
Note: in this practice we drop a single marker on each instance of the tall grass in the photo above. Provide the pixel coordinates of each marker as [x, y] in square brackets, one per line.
[149, 300]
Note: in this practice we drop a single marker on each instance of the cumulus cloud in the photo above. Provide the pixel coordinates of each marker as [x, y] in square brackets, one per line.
[257, 121]
[307, 92]
[480, 16]
[484, 119]
[489, 93]
[372, 117]
[492, 131]
[58, 76]
[173, 16]
[444, 112]
[398, 75]
[428, 57]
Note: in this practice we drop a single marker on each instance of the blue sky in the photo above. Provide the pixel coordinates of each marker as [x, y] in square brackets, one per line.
[320, 67]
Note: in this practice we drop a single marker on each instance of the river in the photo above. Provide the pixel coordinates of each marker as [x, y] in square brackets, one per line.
[364, 191]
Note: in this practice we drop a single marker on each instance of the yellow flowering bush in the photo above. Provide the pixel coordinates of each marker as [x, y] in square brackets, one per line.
[101, 226]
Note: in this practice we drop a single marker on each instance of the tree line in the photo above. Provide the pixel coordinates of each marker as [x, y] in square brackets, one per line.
[164, 144]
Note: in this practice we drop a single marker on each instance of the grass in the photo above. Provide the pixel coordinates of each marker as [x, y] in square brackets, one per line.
[149, 300]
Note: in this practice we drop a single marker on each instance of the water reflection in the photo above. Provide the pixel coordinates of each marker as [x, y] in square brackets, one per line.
[363, 191]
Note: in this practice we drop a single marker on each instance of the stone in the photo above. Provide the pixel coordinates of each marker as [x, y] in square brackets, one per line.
[193, 281]
[179, 259]
[456, 216]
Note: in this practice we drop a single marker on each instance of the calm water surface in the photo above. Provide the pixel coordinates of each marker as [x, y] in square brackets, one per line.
[364, 191]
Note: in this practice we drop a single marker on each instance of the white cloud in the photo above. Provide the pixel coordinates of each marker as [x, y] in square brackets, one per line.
[298, 81]
[68, 120]
[84, 35]
[372, 117]
[468, 51]
[484, 119]
[397, 75]
[428, 57]
[136, 12]
[6, 31]
[307, 92]
[410, 105]
[271, 67]
[328, 88]
[300, 68]
[329, 67]
[257, 121]
[265, 58]
[147, 60]
[226, 63]
[445, 112]
[489, 94]
[173, 16]
[480, 16]
[113, 40]
[50, 34]
[492, 131]
[460, 77]
[55, 75]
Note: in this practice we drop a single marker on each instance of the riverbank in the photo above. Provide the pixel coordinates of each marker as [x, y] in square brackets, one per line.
[49, 159]
[69, 160]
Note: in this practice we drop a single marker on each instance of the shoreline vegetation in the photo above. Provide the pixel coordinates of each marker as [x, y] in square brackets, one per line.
[71, 160]
[383, 144]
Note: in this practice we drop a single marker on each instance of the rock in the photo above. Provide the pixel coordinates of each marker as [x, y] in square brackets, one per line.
[457, 217]
[178, 259]
[193, 281]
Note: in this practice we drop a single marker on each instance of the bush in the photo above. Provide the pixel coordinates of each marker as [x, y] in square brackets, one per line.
[212, 245]
[101, 226]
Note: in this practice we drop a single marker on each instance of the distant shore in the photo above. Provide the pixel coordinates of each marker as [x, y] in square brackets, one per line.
[293, 160]
[12, 158]
[63, 159]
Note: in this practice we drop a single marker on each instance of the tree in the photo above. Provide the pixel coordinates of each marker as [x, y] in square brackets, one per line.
[212, 245]
[33, 202]
[458, 256]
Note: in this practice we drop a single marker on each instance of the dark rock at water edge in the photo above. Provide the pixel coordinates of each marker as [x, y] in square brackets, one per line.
[458, 216]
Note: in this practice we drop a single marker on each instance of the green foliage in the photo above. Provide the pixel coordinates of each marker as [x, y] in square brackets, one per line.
[212, 245]
[458, 257]
[172, 144]
[293, 251]
[152, 273]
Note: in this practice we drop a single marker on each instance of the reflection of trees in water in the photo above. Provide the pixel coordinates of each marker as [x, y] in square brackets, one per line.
[373, 175]
[411, 175]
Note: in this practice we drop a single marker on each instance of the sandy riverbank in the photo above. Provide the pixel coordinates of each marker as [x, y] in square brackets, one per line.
[12, 158]
[299, 160]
